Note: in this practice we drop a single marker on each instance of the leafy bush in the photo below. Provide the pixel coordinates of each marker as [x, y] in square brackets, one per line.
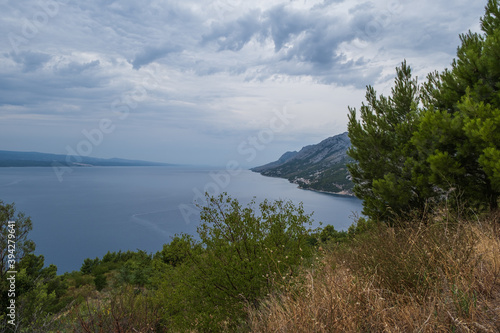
[176, 252]
[100, 282]
[243, 254]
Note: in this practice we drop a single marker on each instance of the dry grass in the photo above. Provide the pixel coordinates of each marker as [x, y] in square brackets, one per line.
[429, 278]
[127, 312]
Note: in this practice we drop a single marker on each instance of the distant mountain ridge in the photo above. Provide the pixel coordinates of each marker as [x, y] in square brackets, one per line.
[30, 159]
[320, 167]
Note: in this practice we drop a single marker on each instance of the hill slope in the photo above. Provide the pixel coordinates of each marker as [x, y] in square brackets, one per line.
[320, 167]
[29, 159]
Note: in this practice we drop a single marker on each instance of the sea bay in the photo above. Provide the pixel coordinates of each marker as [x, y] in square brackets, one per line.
[98, 209]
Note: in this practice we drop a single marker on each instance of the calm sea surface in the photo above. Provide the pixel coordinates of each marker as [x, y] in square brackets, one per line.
[100, 209]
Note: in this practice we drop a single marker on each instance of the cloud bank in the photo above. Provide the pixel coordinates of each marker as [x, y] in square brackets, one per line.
[199, 77]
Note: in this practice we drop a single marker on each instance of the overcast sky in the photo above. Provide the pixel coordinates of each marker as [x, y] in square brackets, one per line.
[206, 82]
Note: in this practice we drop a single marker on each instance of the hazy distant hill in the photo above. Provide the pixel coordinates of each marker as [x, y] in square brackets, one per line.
[320, 167]
[27, 159]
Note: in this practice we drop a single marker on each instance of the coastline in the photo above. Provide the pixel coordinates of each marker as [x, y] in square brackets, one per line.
[342, 193]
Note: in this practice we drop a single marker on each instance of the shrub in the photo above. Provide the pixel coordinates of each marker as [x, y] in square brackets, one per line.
[243, 254]
[434, 278]
[125, 311]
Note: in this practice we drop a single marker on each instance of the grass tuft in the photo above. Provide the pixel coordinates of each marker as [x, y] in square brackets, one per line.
[434, 277]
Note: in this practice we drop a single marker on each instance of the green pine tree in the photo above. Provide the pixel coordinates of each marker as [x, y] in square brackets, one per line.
[458, 135]
[385, 168]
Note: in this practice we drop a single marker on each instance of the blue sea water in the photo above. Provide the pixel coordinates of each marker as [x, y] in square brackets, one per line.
[98, 209]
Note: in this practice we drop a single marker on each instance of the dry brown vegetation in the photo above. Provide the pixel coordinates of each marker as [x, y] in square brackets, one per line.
[432, 277]
[125, 312]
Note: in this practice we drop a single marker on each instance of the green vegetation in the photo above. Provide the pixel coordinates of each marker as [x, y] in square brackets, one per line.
[37, 291]
[320, 167]
[242, 255]
[382, 149]
[426, 258]
[433, 276]
[439, 143]
[334, 179]
[257, 268]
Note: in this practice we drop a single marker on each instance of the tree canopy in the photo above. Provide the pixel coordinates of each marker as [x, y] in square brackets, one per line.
[438, 142]
[383, 151]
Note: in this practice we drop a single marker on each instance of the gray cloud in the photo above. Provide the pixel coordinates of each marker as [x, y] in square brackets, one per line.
[283, 25]
[307, 40]
[30, 61]
[236, 34]
[212, 61]
[151, 53]
[75, 68]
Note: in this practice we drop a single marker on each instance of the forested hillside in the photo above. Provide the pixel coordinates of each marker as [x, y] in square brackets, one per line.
[319, 167]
